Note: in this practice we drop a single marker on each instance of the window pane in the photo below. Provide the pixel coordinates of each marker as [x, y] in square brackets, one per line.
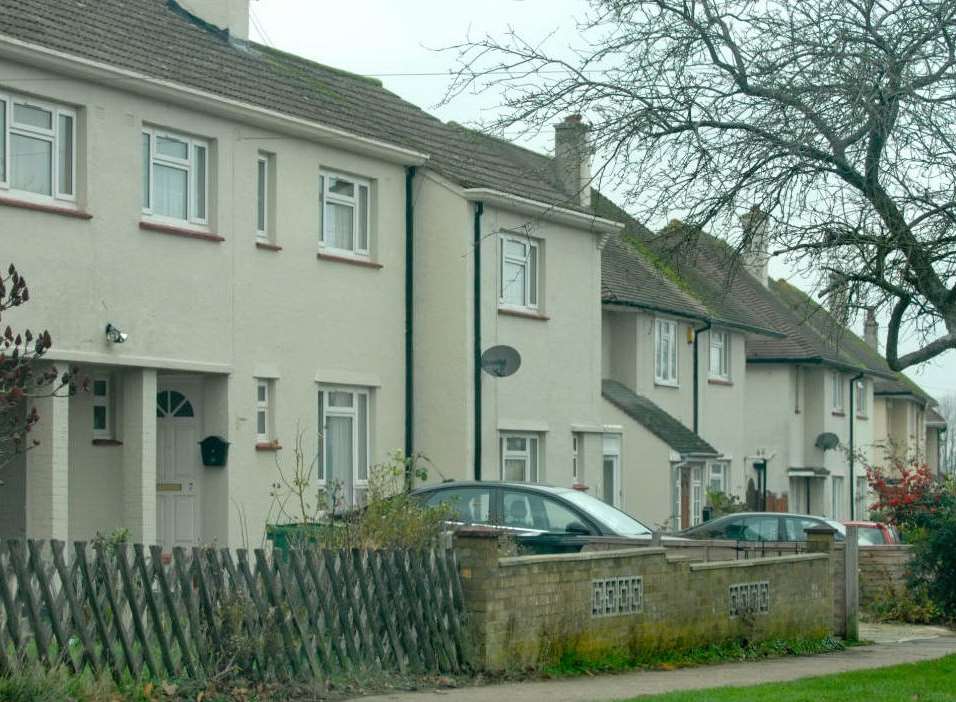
[99, 388]
[261, 423]
[261, 392]
[533, 461]
[338, 226]
[3, 141]
[533, 276]
[261, 197]
[340, 399]
[515, 249]
[338, 453]
[516, 443]
[362, 437]
[99, 418]
[557, 517]
[343, 188]
[470, 505]
[321, 451]
[31, 164]
[517, 510]
[199, 181]
[514, 470]
[65, 155]
[146, 171]
[363, 218]
[172, 147]
[170, 190]
[32, 116]
[513, 284]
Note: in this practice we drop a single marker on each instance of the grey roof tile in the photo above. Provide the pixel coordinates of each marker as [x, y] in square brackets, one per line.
[656, 420]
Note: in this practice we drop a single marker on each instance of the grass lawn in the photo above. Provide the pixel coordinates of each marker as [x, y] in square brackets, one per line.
[934, 681]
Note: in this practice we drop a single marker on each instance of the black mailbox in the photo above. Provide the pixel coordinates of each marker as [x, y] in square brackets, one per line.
[214, 451]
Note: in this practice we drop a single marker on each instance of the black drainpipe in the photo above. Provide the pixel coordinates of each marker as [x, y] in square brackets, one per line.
[409, 324]
[479, 210]
[853, 381]
[697, 376]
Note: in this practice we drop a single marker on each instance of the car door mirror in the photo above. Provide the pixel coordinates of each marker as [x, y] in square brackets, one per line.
[577, 528]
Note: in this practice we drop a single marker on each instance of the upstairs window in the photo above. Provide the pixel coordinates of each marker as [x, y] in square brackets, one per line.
[836, 392]
[665, 354]
[346, 212]
[263, 197]
[37, 149]
[719, 355]
[859, 387]
[519, 272]
[102, 408]
[175, 177]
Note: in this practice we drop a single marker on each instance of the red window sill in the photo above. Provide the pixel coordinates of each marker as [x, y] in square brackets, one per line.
[49, 209]
[347, 259]
[524, 315]
[719, 381]
[267, 246]
[838, 414]
[179, 231]
[268, 446]
[107, 442]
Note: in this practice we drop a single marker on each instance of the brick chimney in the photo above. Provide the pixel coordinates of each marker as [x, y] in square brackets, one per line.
[231, 15]
[871, 330]
[573, 156]
[838, 298]
[756, 257]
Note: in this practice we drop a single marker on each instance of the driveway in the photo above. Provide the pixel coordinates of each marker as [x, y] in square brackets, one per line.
[897, 644]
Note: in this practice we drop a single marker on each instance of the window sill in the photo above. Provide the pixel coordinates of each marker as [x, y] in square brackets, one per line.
[664, 384]
[107, 442]
[268, 446]
[719, 381]
[348, 259]
[864, 417]
[268, 246]
[838, 413]
[49, 209]
[179, 231]
[524, 314]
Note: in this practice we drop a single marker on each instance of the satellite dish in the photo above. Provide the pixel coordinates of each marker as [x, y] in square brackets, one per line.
[500, 361]
[827, 440]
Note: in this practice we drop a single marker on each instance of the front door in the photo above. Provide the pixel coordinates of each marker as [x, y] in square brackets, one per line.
[177, 469]
[612, 469]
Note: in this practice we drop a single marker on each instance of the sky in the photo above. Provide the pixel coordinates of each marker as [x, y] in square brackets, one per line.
[400, 42]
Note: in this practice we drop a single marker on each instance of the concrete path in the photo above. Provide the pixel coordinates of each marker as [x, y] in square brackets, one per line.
[917, 644]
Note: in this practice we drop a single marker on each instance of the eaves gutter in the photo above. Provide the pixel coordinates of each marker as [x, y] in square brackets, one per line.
[820, 361]
[177, 93]
[697, 317]
[543, 210]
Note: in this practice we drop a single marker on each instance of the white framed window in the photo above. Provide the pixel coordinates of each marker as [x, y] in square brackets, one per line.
[797, 391]
[575, 456]
[677, 512]
[102, 407]
[265, 196]
[859, 388]
[697, 495]
[264, 411]
[344, 441]
[175, 177]
[519, 271]
[665, 354]
[519, 457]
[719, 354]
[346, 213]
[37, 149]
[837, 497]
[836, 392]
[717, 476]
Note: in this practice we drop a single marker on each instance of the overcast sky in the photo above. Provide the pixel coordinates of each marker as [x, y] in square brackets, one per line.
[396, 41]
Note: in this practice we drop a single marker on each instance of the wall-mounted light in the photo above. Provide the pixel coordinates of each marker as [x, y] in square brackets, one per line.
[115, 336]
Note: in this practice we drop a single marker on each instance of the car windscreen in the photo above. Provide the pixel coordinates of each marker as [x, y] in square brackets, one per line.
[619, 522]
[870, 536]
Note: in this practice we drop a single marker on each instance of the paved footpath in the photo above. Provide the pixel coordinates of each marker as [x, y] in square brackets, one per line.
[903, 645]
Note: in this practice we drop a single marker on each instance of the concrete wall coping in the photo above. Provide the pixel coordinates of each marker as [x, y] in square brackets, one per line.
[752, 563]
[575, 557]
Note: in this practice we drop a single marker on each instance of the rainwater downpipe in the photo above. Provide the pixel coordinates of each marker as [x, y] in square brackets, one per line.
[697, 376]
[853, 381]
[409, 325]
[479, 210]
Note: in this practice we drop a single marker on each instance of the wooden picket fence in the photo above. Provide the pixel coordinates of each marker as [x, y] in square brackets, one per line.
[297, 613]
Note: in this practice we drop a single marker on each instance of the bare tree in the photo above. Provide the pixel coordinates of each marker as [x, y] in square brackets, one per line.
[837, 118]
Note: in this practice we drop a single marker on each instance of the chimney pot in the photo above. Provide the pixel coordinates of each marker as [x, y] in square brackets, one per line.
[756, 257]
[572, 155]
[871, 329]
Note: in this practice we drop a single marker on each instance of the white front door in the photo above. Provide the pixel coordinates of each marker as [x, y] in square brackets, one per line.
[611, 478]
[177, 469]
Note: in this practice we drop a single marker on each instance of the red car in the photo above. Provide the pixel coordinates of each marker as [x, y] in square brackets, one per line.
[875, 533]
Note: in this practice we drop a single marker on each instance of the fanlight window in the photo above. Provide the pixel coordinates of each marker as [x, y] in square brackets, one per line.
[170, 403]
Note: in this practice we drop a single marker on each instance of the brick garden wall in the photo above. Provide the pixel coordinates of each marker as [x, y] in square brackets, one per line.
[526, 610]
[883, 569]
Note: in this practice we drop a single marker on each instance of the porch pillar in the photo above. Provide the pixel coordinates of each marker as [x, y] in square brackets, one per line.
[48, 471]
[139, 455]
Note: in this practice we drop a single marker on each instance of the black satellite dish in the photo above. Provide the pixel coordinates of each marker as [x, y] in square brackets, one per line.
[500, 361]
[827, 440]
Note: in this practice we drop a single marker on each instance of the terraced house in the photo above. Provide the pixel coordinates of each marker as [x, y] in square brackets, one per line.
[300, 256]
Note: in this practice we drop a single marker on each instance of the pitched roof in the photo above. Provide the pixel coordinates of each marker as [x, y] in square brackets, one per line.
[657, 421]
[159, 39]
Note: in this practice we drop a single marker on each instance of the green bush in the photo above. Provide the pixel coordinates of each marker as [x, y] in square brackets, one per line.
[910, 605]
